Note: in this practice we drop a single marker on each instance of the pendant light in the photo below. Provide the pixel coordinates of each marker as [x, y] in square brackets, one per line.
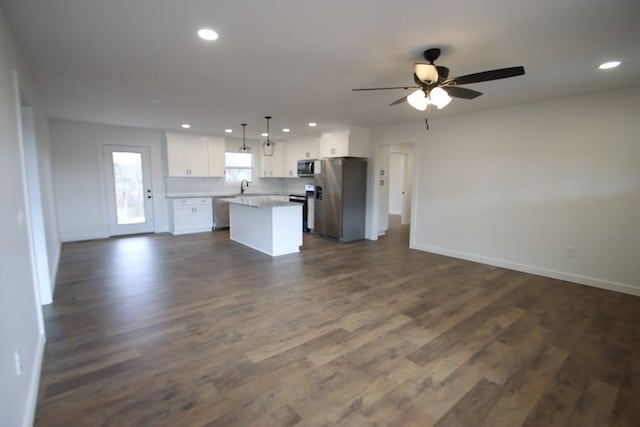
[268, 146]
[244, 148]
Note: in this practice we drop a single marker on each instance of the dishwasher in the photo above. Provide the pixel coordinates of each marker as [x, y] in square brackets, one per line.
[221, 213]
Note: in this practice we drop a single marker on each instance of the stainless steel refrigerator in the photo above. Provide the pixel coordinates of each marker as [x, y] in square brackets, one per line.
[340, 198]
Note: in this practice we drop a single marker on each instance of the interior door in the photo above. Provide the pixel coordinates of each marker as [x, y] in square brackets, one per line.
[129, 193]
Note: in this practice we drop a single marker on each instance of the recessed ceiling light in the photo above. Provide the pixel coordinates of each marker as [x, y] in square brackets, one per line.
[608, 65]
[186, 125]
[207, 34]
[228, 130]
[265, 134]
[285, 130]
[313, 124]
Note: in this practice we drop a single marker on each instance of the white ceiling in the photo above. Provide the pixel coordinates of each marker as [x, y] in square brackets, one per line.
[139, 62]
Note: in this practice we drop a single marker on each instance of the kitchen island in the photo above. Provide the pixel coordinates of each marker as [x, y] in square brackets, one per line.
[267, 224]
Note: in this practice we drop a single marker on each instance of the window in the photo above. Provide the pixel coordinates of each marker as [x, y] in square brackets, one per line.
[238, 166]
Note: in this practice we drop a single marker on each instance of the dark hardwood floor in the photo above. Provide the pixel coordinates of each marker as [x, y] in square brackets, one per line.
[198, 330]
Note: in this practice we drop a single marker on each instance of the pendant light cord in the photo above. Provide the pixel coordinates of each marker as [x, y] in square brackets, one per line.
[244, 144]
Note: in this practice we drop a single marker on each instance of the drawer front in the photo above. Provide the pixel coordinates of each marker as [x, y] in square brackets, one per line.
[192, 201]
[182, 202]
[205, 201]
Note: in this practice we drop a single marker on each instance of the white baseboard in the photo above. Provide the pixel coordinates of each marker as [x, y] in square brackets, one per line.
[540, 271]
[34, 383]
[82, 237]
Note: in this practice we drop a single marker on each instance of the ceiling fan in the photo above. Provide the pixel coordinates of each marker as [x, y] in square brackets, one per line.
[433, 85]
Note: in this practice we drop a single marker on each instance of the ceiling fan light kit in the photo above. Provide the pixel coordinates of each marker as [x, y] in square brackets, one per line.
[439, 97]
[268, 146]
[419, 100]
[433, 85]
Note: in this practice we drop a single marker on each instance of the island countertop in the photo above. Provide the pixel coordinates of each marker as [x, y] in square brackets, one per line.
[260, 201]
[219, 195]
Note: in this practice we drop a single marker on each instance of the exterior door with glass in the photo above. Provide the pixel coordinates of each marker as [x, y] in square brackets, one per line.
[129, 193]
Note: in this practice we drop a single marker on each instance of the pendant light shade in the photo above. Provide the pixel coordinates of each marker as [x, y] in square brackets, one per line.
[268, 146]
[244, 148]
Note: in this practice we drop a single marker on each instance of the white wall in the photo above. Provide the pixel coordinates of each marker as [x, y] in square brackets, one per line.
[516, 186]
[79, 181]
[21, 326]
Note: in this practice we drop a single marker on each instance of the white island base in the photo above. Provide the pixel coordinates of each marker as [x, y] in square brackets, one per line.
[272, 229]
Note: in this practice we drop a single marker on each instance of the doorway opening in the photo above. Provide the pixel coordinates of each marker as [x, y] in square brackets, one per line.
[395, 172]
[129, 193]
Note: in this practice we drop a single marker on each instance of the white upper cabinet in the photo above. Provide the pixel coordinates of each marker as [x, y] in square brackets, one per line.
[216, 149]
[193, 155]
[272, 166]
[299, 149]
[352, 142]
[309, 148]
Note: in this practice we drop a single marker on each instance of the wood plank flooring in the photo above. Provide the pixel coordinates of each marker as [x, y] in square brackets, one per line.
[197, 330]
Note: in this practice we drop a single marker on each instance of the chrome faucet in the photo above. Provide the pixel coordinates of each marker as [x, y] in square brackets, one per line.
[242, 186]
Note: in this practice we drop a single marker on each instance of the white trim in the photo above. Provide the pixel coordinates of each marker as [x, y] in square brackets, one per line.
[56, 264]
[34, 383]
[77, 238]
[569, 277]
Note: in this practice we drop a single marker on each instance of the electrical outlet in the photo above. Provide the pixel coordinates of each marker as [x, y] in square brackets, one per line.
[571, 252]
[18, 359]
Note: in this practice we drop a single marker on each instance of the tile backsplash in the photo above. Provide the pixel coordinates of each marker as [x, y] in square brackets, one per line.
[218, 185]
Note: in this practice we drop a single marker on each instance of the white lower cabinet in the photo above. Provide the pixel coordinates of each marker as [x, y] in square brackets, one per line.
[192, 215]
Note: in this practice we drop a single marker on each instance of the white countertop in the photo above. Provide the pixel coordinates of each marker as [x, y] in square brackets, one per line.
[188, 195]
[261, 201]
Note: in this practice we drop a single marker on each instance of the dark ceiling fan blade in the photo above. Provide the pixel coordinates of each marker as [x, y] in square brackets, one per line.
[399, 100]
[385, 88]
[461, 92]
[501, 73]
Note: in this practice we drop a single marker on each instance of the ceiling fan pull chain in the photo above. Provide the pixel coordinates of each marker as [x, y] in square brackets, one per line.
[426, 123]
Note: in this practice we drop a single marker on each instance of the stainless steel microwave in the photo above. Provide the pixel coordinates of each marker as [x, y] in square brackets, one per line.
[305, 167]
